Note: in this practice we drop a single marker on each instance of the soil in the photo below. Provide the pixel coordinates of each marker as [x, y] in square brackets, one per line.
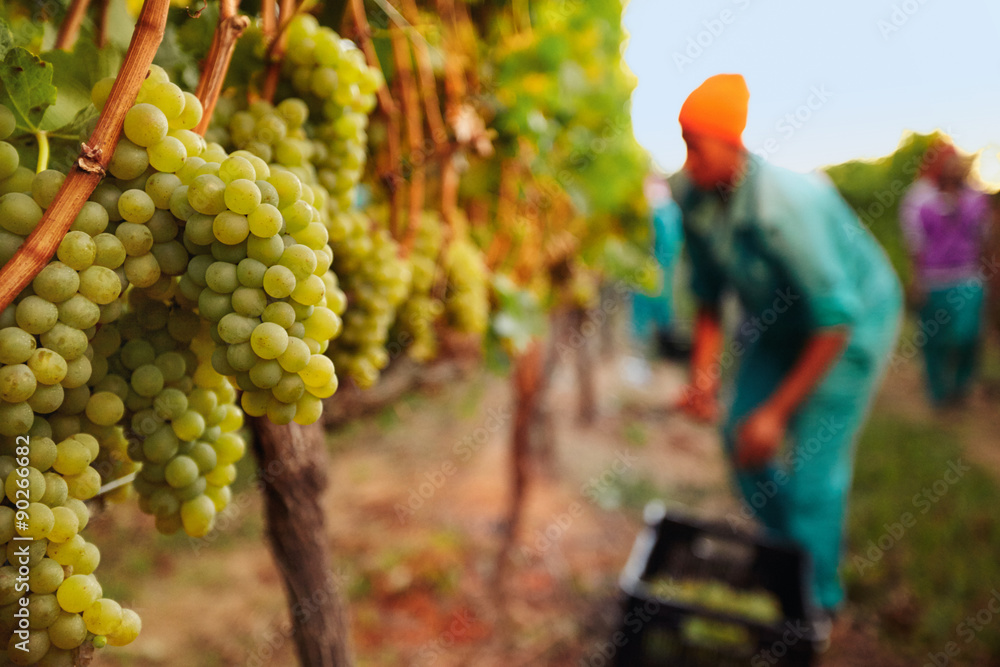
[415, 517]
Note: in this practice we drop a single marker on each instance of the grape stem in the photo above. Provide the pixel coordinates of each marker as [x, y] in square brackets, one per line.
[276, 48]
[428, 86]
[454, 87]
[102, 23]
[268, 20]
[83, 655]
[213, 74]
[500, 247]
[522, 15]
[43, 151]
[414, 134]
[95, 155]
[70, 27]
[466, 31]
[388, 173]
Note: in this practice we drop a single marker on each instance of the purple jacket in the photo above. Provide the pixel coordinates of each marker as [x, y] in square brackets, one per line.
[945, 234]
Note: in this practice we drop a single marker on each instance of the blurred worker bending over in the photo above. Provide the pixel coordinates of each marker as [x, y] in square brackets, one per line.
[826, 304]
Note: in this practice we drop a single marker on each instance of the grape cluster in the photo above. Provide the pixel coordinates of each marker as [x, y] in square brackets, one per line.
[332, 76]
[321, 138]
[332, 73]
[158, 142]
[376, 281]
[9, 159]
[418, 314]
[51, 449]
[252, 256]
[467, 302]
[260, 274]
[14, 177]
[182, 414]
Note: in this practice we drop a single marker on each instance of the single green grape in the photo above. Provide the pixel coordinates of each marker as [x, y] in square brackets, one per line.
[145, 125]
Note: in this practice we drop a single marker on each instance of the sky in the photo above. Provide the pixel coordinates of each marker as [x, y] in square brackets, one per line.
[829, 81]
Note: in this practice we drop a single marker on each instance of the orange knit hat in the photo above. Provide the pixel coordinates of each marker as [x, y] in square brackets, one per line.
[717, 107]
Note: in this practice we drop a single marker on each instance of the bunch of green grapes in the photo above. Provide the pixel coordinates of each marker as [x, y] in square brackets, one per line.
[278, 135]
[64, 598]
[376, 281]
[157, 143]
[255, 263]
[9, 159]
[260, 274]
[182, 414]
[321, 139]
[47, 458]
[467, 302]
[417, 315]
[332, 74]
[14, 177]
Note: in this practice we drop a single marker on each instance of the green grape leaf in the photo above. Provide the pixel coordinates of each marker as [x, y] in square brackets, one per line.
[518, 317]
[247, 60]
[78, 127]
[171, 56]
[74, 75]
[27, 88]
[120, 25]
[6, 39]
[64, 142]
[194, 37]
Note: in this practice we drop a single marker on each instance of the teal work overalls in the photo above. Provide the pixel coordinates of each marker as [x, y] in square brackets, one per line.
[799, 260]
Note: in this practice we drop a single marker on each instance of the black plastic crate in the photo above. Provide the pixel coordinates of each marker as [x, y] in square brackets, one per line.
[658, 631]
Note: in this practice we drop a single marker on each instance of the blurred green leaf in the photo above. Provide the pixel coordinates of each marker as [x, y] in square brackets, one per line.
[27, 88]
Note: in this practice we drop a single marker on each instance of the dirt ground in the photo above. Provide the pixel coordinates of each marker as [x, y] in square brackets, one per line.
[415, 508]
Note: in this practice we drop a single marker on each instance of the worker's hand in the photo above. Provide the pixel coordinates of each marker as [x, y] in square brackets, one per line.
[759, 437]
[699, 403]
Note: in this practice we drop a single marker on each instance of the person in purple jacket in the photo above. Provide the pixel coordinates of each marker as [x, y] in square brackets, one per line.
[945, 222]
